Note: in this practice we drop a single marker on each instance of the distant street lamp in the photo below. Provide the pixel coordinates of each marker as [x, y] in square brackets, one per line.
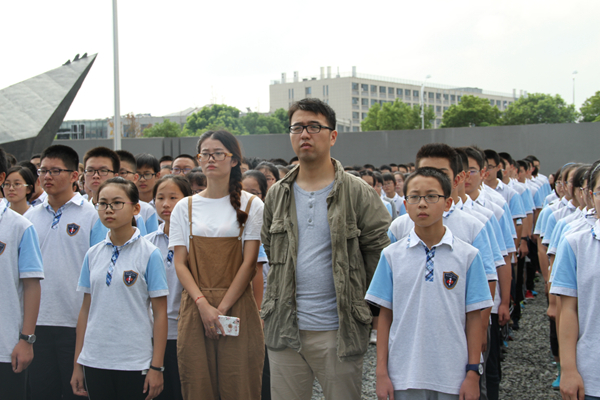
[117, 120]
[574, 73]
[423, 102]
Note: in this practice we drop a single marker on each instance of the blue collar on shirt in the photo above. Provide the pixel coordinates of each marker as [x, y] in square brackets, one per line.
[450, 211]
[596, 230]
[414, 239]
[77, 199]
[136, 236]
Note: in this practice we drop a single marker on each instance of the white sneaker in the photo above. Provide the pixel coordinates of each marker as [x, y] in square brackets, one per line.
[373, 338]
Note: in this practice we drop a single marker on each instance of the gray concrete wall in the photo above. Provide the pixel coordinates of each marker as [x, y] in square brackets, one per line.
[554, 144]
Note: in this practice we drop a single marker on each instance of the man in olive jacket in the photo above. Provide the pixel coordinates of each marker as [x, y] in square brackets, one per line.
[323, 233]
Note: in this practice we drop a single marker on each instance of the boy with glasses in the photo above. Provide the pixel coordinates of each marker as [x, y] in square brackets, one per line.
[389, 189]
[148, 169]
[183, 164]
[65, 223]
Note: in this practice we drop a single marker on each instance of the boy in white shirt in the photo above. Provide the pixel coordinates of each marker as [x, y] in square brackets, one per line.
[429, 277]
[389, 189]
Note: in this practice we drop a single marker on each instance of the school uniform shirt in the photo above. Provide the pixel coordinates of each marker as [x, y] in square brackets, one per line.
[39, 200]
[496, 198]
[390, 206]
[501, 217]
[148, 214]
[65, 236]
[553, 219]
[540, 226]
[262, 258]
[421, 355]
[561, 227]
[538, 195]
[550, 198]
[398, 203]
[586, 222]
[577, 275]
[512, 198]
[498, 246]
[20, 258]
[160, 239]
[100, 231]
[119, 330]
[463, 226]
[214, 218]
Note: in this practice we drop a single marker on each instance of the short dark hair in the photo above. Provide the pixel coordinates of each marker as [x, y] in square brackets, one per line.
[30, 167]
[377, 177]
[385, 166]
[353, 172]
[3, 166]
[440, 150]
[492, 155]
[271, 167]
[295, 158]
[67, 155]
[315, 106]
[11, 160]
[126, 156]
[429, 172]
[403, 166]
[533, 158]
[260, 179]
[580, 174]
[165, 158]
[389, 177]
[476, 155]
[189, 157]
[252, 162]
[392, 164]
[104, 152]
[283, 170]
[180, 181]
[147, 160]
[279, 161]
[36, 155]
[129, 187]
[196, 176]
[522, 164]
[27, 176]
[507, 157]
[594, 175]
[366, 172]
[369, 166]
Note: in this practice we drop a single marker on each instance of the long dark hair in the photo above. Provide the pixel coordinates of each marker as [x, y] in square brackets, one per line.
[235, 177]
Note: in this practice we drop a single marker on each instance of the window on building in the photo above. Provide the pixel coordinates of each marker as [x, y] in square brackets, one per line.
[438, 96]
[364, 87]
[354, 86]
[355, 115]
[407, 92]
[382, 89]
[364, 102]
[458, 98]
[505, 103]
[431, 95]
[452, 97]
[307, 91]
[354, 100]
[498, 102]
[438, 122]
[391, 91]
[373, 101]
[355, 129]
[438, 109]
[399, 92]
[445, 96]
[290, 93]
[416, 94]
[326, 90]
[364, 115]
[491, 102]
[445, 109]
[373, 88]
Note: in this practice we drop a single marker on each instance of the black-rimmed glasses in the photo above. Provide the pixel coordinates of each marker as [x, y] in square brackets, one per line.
[429, 198]
[313, 128]
[52, 172]
[115, 205]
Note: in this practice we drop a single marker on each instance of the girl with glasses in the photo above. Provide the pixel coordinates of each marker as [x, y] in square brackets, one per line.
[18, 188]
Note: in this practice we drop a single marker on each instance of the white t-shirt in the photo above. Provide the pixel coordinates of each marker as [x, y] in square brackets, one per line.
[576, 275]
[161, 240]
[214, 218]
[64, 241]
[119, 328]
[427, 341]
[20, 258]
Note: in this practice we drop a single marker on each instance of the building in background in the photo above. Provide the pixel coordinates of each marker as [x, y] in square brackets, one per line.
[352, 94]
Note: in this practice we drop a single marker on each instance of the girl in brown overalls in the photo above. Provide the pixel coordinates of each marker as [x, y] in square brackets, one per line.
[215, 265]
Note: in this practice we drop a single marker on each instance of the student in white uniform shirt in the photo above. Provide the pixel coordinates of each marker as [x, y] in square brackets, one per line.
[433, 278]
[120, 347]
[102, 164]
[577, 280]
[389, 191]
[18, 188]
[64, 223]
[128, 170]
[21, 269]
[167, 192]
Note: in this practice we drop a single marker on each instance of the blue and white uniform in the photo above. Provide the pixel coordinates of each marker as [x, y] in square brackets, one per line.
[20, 258]
[553, 219]
[262, 258]
[160, 239]
[65, 236]
[512, 198]
[502, 218]
[577, 275]
[39, 200]
[119, 328]
[148, 214]
[426, 289]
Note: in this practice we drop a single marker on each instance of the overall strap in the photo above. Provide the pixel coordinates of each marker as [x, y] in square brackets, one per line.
[247, 211]
[190, 213]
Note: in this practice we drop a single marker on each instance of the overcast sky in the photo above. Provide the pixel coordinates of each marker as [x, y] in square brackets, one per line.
[178, 54]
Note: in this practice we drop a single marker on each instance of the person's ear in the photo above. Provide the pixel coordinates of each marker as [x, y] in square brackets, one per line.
[333, 138]
[448, 203]
[2, 177]
[74, 176]
[136, 209]
[157, 175]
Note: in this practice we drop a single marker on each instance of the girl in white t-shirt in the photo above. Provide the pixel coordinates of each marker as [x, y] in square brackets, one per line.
[19, 186]
[119, 350]
[215, 236]
[167, 192]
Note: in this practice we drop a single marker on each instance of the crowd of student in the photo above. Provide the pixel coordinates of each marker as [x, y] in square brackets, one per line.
[120, 273]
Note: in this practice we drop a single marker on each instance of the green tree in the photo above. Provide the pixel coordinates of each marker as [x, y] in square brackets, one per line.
[471, 111]
[396, 116]
[539, 108]
[282, 115]
[590, 110]
[217, 116]
[256, 123]
[166, 128]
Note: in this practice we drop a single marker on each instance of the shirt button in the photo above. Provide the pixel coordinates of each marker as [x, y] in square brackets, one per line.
[310, 206]
[310, 220]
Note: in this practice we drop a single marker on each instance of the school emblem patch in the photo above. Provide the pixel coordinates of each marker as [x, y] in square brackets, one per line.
[129, 277]
[2, 247]
[72, 229]
[450, 280]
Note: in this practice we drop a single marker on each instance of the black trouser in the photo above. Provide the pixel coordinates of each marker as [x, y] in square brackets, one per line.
[12, 386]
[493, 371]
[172, 388]
[108, 384]
[518, 294]
[265, 393]
[52, 367]
[533, 265]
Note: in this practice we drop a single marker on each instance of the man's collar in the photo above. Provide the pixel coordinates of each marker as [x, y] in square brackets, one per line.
[136, 235]
[77, 199]
[414, 239]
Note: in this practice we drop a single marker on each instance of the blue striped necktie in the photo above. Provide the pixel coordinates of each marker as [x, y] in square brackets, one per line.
[113, 262]
[429, 264]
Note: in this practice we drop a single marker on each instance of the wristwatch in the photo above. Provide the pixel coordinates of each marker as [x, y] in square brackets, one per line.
[159, 369]
[28, 338]
[475, 367]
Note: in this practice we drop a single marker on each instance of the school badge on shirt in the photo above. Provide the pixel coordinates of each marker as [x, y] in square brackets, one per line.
[72, 229]
[450, 280]
[2, 247]
[129, 277]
